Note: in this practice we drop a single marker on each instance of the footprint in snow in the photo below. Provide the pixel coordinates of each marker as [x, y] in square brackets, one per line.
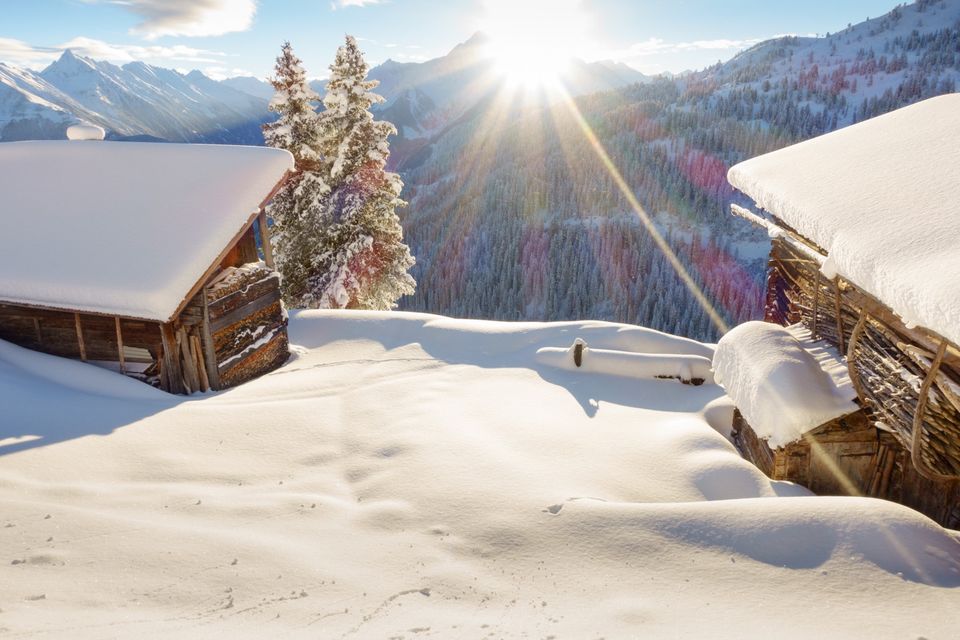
[553, 509]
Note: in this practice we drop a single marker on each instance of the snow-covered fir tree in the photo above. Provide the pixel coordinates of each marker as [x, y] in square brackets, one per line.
[298, 208]
[362, 262]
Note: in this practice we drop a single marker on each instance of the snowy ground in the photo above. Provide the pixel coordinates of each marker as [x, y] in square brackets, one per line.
[408, 476]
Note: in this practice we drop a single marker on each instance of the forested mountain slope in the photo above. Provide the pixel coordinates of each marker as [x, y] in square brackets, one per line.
[513, 215]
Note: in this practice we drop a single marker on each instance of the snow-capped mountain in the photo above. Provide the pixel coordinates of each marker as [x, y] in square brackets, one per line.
[30, 107]
[863, 70]
[135, 100]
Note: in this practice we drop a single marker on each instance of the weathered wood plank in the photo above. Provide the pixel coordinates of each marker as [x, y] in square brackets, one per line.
[210, 356]
[198, 362]
[171, 363]
[258, 288]
[83, 347]
[265, 237]
[190, 375]
[248, 309]
[123, 364]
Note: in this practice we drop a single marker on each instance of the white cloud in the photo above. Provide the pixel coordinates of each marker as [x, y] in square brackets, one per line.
[340, 4]
[188, 17]
[127, 53]
[655, 46]
[655, 55]
[20, 53]
[222, 73]
[23, 54]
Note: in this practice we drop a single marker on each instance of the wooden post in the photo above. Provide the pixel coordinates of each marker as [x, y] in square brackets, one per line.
[190, 376]
[171, 362]
[83, 346]
[198, 362]
[36, 328]
[123, 366]
[839, 313]
[265, 238]
[209, 353]
[816, 298]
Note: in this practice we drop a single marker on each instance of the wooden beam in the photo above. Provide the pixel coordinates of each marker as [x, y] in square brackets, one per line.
[123, 364]
[779, 231]
[83, 346]
[265, 237]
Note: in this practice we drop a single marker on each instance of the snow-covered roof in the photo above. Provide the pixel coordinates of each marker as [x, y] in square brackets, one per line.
[123, 228]
[783, 382]
[882, 197]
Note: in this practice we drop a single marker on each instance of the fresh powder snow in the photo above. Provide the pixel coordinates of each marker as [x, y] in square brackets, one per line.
[881, 197]
[783, 385]
[408, 475]
[126, 228]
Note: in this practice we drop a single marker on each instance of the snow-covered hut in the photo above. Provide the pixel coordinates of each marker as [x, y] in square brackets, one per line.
[143, 257]
[865, 229]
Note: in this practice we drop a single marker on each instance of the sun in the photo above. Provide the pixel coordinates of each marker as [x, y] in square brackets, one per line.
[533, 41]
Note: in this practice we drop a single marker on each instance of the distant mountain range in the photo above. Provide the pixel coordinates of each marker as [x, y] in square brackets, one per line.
[136, 101]
[141, 101]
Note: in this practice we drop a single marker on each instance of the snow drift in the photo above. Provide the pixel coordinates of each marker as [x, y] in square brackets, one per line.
[416, 476]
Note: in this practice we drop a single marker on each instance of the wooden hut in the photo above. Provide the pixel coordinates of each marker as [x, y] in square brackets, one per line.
[144, 258]
[865, 253]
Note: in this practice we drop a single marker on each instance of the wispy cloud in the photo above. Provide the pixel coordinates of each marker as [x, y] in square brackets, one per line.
[341, 4]
[18, 52]
[655, 46]
[655, 55]
[221, 73]
[188, 17]
[23, 54]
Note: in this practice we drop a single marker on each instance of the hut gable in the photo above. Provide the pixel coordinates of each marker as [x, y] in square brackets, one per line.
[144, 258]
[881, 198]
[124, 228]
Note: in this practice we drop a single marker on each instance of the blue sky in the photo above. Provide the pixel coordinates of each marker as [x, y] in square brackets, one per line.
[242, 37]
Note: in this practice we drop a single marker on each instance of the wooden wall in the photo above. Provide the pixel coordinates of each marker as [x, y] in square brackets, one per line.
[849, 456]
[56, 333]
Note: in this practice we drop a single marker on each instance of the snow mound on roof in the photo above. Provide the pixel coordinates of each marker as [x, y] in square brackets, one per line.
[123, 228]
[883, 199]
[85, 132]
[780, 388]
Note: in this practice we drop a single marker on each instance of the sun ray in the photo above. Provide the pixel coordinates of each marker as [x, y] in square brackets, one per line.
[627, 192]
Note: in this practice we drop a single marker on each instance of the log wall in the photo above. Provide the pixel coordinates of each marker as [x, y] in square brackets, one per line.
[247, 323]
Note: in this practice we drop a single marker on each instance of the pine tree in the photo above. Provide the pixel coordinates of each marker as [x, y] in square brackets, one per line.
[298, 208]
[361, 262]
